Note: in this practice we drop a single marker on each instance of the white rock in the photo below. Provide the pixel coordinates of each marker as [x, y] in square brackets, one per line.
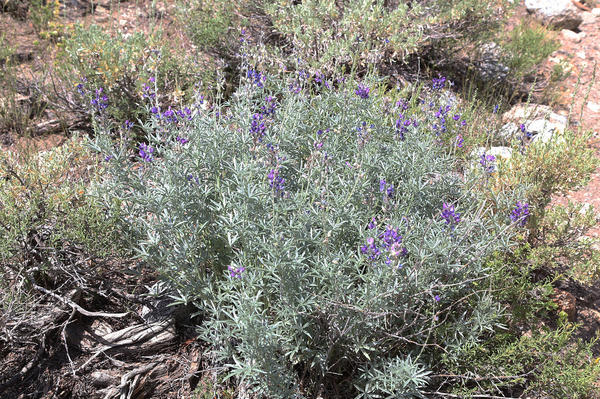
[558, 13]
[520, 113]
[581, 54]
[545, 131]
[489, 63]
[594, 107]
[498, 152]
[570, 35]
[596, 12]
[588, 19]
[502, 152]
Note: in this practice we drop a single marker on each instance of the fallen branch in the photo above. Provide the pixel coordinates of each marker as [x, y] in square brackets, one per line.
[154, 334]
[76, 306]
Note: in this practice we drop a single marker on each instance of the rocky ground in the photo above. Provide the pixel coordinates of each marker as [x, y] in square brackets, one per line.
[579, 99]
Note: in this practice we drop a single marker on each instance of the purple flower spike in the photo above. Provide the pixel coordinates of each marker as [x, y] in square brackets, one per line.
[372, 224]
[100, 102]
[520, 214]
[182, 140]
[451, 217]
[439, 83]
[276, 182]
[236, 272]
[487, 162]
[256, 78]
[146, 152]
[362, 91]
[437, 298]
[460, 141]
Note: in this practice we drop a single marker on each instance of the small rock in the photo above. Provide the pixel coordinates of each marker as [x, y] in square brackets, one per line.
[594, 107]
[581, 54]
[555, 60]
[570, 35]
[566, 302]
[556, 13]
[596, 12]
[502, 152]
[523, 112]
[101, 379]
[588, 18]
[489, 64]
[543, 130]
[585, 208]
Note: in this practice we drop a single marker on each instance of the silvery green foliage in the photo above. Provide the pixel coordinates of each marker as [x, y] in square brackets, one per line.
[392, 378]
[277, 232]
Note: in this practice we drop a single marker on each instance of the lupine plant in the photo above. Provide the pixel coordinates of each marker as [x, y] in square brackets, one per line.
[324, 250]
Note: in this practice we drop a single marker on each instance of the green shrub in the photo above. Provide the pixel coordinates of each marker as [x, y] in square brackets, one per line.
[562, 164]
[45, 17]
[16, 109]
[331, 36]
[541, 363]
[51, 236]
[279, 221]
[526, 47]
[43, 207]
[122, 69]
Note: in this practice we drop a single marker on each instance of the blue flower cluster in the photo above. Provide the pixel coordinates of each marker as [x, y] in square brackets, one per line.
[193, 179]
[439, 83]
[100, 101]
[276, 182]
[441, 115]
[488, 163]
[320, 79]
[146, 152]
[147, 91]
[450, 216]
[388, 244]
[459, 141]
[526, 134]
[182, 140]
[270, 106]
[362, 91]
[236, 272]
[402, 125]
[257, 125]
[174, 116]
[388, 189]
[256, 78]
[520, 214]
[81, 89]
